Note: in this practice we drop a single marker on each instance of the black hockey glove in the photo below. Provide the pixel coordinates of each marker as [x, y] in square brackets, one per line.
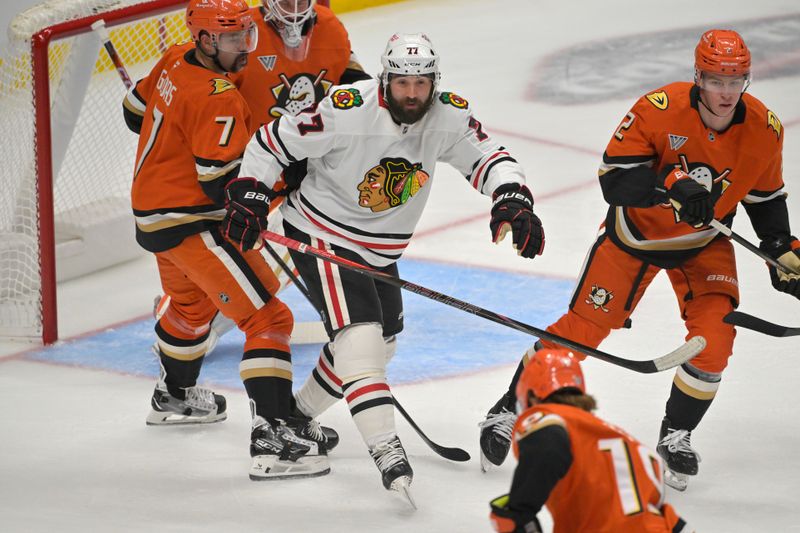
[505, 520]
[693, 202]
[247, 203]
[787, 253]
[512, 209]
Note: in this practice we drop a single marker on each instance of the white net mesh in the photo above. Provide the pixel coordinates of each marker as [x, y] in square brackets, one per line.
[92, 150]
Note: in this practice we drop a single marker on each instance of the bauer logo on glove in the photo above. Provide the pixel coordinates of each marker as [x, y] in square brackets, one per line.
[512, 210]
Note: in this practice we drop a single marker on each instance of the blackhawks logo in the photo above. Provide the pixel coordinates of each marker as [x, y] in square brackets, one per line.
[346, 98]
[390, 183]
[454, 100]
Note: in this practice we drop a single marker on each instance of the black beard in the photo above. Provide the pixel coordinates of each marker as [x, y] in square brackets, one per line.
[404, 116]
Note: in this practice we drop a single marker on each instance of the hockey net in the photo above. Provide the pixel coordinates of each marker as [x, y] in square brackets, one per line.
[68, 156]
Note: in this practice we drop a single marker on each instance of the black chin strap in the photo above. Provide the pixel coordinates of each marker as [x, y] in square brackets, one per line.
[700, 99]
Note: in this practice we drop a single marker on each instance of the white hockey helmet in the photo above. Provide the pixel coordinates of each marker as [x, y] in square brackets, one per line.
[410, 54]
[292, 19]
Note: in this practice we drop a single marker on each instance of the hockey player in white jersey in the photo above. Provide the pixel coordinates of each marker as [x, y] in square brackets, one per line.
[371, 149]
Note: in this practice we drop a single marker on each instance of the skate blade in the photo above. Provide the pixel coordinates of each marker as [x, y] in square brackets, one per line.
[486, 465]
[269, 467]
[167, 418]
[676, 480]
[402, 486]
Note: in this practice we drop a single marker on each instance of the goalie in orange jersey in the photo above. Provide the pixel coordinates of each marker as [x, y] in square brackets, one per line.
[303, 50]
[685, 154]
[591, 475]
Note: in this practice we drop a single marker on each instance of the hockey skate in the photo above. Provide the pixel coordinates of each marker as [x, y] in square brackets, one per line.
[200, 406]
[680, 459]
[308, 428]
[496, 431]
[396, 472]
[278, 453]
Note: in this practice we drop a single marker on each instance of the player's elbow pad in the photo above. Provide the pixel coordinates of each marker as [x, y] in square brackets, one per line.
[132, 120]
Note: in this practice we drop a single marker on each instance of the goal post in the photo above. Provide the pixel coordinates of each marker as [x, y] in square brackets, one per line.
[67, 162]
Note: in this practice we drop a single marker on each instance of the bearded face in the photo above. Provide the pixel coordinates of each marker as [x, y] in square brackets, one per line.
[409, 97]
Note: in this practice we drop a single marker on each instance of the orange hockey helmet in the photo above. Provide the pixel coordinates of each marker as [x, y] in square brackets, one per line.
[722, 52]
[549, 371]
[229, 23]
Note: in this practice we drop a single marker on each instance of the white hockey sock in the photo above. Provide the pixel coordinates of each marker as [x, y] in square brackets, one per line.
[322, 388]
[370, 403]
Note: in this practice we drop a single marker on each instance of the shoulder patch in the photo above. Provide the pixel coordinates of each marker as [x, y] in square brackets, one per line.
[346, 98]
[220, 85]
[536, 421]
[658, 99]
[774, 123]
[454, 100]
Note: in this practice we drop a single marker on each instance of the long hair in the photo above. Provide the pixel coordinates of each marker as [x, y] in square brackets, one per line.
[574, 398]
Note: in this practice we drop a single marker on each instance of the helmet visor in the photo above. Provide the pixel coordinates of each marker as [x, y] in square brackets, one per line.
[243, 41]
[718, 83]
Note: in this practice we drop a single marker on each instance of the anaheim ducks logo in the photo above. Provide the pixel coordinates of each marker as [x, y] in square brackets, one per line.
[599, 298]
[390, 184]
[299, 92]
[774, 123]
[454, 100]
[220, 85]
[714, 182]
[346, 98]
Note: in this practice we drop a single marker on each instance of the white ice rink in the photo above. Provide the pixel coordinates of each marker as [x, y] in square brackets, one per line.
[551, 80]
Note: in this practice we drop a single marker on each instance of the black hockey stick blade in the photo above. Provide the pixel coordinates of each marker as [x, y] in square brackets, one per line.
[453, 454]
[674, 358]
[743, 320]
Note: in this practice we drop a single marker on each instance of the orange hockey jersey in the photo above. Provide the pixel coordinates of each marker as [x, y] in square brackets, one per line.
[194, 127]
[273, 85]
[614, 484]
[664, 130]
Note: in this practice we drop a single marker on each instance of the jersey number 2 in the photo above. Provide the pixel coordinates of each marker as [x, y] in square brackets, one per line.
[626, 123]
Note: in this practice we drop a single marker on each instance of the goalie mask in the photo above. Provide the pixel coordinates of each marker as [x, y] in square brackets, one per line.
[294, 21]
[409, 55]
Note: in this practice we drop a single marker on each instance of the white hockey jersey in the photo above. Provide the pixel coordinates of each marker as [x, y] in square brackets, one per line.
[369, 177]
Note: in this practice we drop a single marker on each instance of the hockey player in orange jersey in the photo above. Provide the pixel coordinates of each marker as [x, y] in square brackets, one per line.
[592, 476]
[202, 223]
[684, 154]
[302, 50]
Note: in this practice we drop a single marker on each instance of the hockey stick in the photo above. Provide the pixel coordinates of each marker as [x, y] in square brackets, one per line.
[725, 230]
[743, 320]
[100, 27]
[674, 358]
[453, 454]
